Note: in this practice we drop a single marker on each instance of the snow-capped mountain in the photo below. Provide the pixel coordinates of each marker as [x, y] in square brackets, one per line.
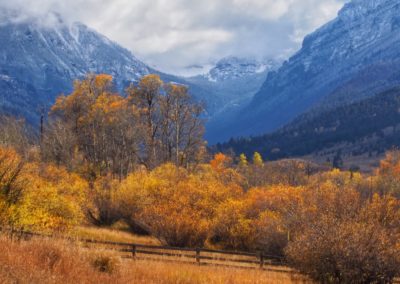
[232, 68]
[40, 58]
[232, 82]
[352, 57]
[40, 61]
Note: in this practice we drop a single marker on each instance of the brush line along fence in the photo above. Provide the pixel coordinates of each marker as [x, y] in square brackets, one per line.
[187, 255]
[198, 256]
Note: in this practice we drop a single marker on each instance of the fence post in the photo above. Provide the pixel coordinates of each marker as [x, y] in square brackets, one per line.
[261, 260]
[198, 255]
[133, 251]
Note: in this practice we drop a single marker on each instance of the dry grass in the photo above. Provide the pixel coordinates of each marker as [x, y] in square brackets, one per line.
[111, 235]
[48, 261]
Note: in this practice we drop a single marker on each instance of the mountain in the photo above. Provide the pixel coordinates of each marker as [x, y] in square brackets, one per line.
[232, 82]
[41, 57]
[233, 68]
[355, 133]
[39, 61]
[350, 58]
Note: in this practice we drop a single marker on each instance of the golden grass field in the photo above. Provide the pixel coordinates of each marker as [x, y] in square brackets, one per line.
[112, 235]
[56, 261]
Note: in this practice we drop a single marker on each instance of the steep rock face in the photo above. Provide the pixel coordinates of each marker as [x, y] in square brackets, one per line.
[38, 62]
[350, 58]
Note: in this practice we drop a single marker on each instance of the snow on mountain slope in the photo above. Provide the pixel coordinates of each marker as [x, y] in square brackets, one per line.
[234, 81]
[231, 68]
[38, 62]
[40, 58]
[350, 58]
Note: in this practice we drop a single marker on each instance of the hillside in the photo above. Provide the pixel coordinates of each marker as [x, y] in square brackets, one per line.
[348, 59]
[368, 127]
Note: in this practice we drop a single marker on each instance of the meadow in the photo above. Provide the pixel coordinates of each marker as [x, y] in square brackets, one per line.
[55, 261]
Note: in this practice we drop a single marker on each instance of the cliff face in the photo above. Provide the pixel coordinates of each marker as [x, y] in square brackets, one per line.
[352, 57]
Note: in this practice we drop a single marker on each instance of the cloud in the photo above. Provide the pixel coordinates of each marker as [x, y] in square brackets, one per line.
[173, 34]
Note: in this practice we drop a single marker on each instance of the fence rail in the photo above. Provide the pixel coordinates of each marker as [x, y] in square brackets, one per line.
[199, 256]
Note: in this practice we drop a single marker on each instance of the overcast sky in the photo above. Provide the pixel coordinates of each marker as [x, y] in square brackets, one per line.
[174, 34]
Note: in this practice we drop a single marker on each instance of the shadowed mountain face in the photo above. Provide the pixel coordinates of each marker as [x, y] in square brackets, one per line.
[348, 59]
[369, 126]
[233, 82]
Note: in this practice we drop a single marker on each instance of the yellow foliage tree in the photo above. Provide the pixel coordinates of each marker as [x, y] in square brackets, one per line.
[173, 204]
[38, 197]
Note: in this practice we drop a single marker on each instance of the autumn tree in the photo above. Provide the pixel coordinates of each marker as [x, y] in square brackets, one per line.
[182, 128]
[146, 97]
[350, 243]
[258, 160]
[170, 122]
[17, 134]
[12, 184]
[388, 175]
[54, 199]
[262, 219]
[243, 163]
[38, 197]
[173, 204]
[96, 122]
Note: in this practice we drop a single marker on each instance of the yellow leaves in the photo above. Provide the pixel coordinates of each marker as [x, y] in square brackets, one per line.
[38, 197]
[53, 199]
[150, 82]
[249, 220]
[90, 93]
[243, 163]
[258, 160]
[383, 210]
[177, 205]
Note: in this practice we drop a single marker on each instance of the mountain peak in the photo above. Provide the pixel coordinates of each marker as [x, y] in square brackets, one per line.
[231, 67]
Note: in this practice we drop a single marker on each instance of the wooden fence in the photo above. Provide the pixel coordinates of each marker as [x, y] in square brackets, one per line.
[199, 256]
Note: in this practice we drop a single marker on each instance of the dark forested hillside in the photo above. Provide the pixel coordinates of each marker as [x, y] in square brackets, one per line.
[348, 59]
[370, 126]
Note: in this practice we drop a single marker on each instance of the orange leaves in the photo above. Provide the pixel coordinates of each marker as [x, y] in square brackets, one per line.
[261, 218]
[176, 205]
[103, 81]
[390, 165]
[220, 162]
